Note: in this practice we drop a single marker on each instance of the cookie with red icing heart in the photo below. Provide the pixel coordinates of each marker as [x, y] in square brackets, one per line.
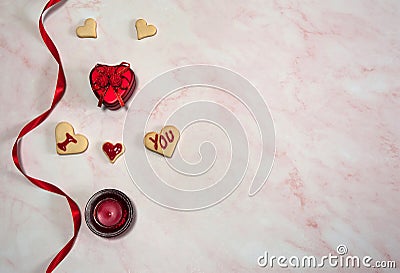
[113, 151]
[113, 85]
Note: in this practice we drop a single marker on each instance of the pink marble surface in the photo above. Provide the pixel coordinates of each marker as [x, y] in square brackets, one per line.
[329, 71]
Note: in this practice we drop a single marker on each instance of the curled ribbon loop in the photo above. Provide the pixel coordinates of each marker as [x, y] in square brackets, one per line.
[58, 93]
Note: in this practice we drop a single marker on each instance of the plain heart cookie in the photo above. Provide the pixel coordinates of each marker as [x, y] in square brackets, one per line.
[67, 142]
[144, 30]
[164, 142]
[88, 30]
[113, 151]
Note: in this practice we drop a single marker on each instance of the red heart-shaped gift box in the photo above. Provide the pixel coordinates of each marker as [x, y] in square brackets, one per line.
[112, 85]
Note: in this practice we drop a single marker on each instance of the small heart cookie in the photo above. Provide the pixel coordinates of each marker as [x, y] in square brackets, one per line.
[88, 30]
[67, 142]
[144, 30]
[113, 151]
[163, 143]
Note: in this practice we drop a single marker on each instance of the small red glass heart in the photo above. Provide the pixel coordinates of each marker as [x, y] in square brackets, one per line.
[112, 85]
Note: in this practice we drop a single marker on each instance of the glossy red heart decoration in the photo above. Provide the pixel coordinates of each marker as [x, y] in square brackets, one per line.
[113, 151]
[112, 85]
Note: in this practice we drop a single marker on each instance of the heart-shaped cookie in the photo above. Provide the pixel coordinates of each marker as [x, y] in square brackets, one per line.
[163, 143]
[113, 151]
[67, 142]
[144, 30]
[113, 85]
[88, 30]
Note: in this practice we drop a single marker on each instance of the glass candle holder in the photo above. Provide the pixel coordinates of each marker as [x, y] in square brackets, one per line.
[109, 213]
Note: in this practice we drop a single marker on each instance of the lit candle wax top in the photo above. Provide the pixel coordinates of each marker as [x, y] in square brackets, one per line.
[108, 212]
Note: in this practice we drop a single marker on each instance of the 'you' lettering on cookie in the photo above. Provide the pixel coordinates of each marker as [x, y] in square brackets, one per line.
[164, 142]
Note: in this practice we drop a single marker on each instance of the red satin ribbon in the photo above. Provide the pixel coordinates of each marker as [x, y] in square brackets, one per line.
[59, 92]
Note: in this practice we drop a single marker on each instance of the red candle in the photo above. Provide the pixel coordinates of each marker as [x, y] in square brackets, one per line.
[108, 212]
